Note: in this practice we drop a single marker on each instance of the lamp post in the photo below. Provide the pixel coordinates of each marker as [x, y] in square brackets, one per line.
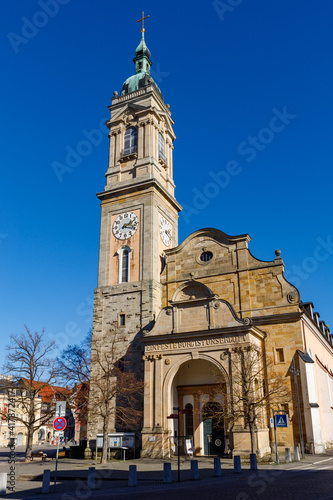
[295, 372]
[176, 416]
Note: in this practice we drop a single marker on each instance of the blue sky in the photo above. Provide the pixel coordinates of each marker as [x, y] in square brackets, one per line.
[227, 69]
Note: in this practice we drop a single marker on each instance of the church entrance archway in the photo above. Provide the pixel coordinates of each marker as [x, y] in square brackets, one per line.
[199, 387]
[213, 429]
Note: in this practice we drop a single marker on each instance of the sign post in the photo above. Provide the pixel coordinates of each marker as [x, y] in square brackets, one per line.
[276, 447]
[59, 425]
[279, 420]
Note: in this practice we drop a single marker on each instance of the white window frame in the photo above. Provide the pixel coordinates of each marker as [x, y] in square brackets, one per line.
[131, 135]
[161, 146]
[120, 263]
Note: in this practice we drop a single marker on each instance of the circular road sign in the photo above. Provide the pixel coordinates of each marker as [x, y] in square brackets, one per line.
[59, 424]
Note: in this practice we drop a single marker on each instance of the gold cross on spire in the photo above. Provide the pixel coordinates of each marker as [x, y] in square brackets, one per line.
[143, 22]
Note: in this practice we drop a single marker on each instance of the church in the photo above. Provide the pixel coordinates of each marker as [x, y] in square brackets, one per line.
[188, 312]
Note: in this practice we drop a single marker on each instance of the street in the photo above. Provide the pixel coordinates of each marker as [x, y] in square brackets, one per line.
[309, 479]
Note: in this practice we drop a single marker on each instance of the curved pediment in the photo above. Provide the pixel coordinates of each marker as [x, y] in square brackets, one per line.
[197, 315]
[192, 291]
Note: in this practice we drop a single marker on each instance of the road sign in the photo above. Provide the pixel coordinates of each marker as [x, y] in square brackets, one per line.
[282, 420]
[271, 422]
[60, 409]
[59, 434]
[59, 424]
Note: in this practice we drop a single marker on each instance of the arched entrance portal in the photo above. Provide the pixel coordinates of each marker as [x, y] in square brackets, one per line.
[199, 387]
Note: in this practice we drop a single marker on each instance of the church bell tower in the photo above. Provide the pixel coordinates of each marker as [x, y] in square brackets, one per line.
[139, 215]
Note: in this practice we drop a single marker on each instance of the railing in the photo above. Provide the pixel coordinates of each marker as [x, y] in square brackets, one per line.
[163, 158]
[129, 151]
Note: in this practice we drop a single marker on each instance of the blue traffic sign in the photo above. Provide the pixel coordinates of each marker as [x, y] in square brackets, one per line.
[282, 420]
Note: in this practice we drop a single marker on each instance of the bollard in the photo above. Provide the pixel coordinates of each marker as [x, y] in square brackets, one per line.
[3, 483]
[46, 481]
[132, 478]
[253, 461]
[91, 478]
[194, 470]
[237, 464]
[297, 456]
[217, 467]
[167, 474]
[288, 454]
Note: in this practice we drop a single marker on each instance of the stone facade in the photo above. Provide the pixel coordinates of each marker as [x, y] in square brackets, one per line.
[188, 312]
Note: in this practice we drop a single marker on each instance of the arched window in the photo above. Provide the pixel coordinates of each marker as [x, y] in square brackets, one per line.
[131, 141]
[124, 254]
[189, 420]
[161, 154]
[124, 266]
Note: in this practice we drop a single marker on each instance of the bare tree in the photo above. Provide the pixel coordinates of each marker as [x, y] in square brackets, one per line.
[32, 369]
[74, 370]
[115, 391]
[253, 388]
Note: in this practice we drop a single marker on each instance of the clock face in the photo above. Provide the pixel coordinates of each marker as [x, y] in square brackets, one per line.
[125, 225]
[165, 231]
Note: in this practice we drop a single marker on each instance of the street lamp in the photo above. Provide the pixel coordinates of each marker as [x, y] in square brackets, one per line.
[295, 372]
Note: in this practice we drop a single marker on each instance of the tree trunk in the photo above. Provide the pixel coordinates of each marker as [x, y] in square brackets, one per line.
[28, 449]
[105, 440]
[253, 438]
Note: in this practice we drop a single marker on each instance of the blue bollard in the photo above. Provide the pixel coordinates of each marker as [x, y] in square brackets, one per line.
[46, 481]
[217, 467]
[91, 478]
[132, 479]
[167, 474]
[237, 464]
[194, 470]
[253, 461]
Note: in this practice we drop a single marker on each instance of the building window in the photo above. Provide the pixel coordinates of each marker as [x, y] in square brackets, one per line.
[189, 420]
[122, 319]
[206, 256]
[161, 153]
[124, 254]
[124, 266]
[131, 141]
[279, 355]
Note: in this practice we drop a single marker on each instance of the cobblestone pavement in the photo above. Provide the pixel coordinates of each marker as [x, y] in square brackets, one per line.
[310, 479]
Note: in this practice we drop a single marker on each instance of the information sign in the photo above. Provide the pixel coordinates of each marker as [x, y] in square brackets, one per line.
[282, 420]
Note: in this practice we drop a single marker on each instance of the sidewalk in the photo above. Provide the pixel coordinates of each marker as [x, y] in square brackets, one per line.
[113, 477]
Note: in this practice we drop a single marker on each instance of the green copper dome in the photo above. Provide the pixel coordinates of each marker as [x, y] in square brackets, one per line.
[142, 48]
[142, 76]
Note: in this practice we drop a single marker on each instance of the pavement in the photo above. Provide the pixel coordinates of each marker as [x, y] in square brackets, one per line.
[309, 479]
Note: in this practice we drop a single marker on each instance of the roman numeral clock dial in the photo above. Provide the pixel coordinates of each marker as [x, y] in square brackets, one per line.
[165, 231]
[125, 225]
